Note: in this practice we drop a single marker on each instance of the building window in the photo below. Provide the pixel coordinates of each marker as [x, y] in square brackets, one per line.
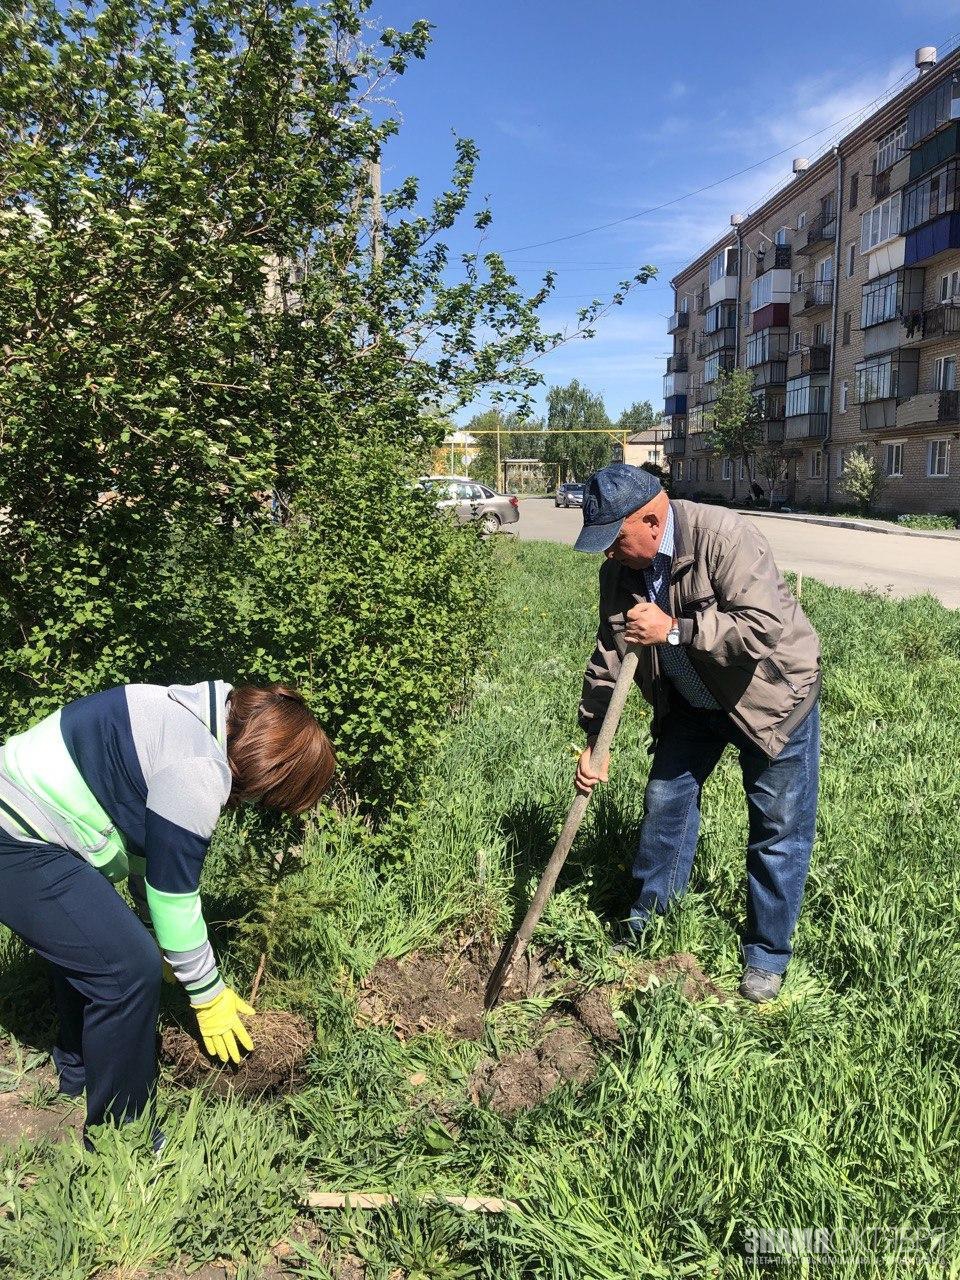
[801, 219]
[846, 328]
[819, 333]
[877, 378]
[695, 469]
[798, 282]
[749, 260]
[796, 339]
[804, 397]
[893, 459]
[742, 470]
[949, 286]
[880, 223]
[854, 189]
[938, 458]
[727, 468]
[945, 373]
[842, 455]
[685, 303]
[724, 264]
[781, 236]
[709, 468]
[879, 300]
[679, 466]
[851, 258]
[891, 147]
[928, 199]
[844, 395]
[816, 464]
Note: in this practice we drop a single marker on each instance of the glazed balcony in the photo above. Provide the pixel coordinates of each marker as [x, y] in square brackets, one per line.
[774, 430]
[806, 426]
[720, 340]
[679, 320]
[675, 446]
[677, 364]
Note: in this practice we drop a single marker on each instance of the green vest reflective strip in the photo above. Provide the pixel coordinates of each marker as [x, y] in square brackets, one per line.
[39, 763]
[177, 919]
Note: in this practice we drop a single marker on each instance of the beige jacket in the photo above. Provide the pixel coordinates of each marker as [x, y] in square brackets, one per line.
[744, 632]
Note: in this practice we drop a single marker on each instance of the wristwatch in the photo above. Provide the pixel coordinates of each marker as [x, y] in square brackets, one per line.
[673, 635]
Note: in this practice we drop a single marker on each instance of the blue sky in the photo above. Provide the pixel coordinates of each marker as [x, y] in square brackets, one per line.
[586, 113]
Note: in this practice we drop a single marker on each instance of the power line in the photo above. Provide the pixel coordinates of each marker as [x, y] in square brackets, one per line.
[688, 195]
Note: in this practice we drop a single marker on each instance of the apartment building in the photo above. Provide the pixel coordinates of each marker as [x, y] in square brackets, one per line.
[841, 295]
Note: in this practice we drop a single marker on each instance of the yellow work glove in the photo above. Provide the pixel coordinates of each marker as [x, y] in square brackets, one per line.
[220, 1025]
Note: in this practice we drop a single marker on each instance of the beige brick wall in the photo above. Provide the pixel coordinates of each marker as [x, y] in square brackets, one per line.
[914, 491]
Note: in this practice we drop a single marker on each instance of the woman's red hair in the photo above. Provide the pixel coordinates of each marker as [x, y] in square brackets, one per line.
[278, 754]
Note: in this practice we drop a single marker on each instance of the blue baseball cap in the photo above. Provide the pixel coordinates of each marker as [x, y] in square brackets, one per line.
[609, 496]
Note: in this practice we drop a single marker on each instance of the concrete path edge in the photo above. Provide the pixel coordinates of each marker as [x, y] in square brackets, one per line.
[849, 522]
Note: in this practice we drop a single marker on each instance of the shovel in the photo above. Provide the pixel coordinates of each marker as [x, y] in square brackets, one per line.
[517, 945]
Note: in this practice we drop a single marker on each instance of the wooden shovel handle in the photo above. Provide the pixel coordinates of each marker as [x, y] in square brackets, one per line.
[599, 756]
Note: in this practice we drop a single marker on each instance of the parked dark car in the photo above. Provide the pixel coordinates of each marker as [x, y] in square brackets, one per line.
[569, 495]
[468, 500]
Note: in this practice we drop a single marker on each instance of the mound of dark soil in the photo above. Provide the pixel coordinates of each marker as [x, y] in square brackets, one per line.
[281, 1041]
[520, 1081]
[443, 990]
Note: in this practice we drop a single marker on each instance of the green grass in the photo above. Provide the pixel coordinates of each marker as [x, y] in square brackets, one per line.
[838, 1108]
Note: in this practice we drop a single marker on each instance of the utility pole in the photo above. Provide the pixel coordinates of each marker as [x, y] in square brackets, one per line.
[499, 487]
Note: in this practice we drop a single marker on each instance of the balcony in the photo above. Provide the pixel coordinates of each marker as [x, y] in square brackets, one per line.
[679, 320]
[702, 302]
[943, 146]
[930, 324]
[932, 239]
[813, 359]
[674, 446]
[779, 258]
[677, 364]
[821, 231]
[770, 373]
[928, 409]
[774, 430]
[806, 426]
[675, 405]
[813, 296]
[720, 339]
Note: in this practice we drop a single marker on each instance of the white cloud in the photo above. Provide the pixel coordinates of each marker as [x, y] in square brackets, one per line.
[677, 90]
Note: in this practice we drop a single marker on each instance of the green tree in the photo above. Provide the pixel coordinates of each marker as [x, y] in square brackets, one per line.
[221, 356]
[736, 430]
[576, 412]
[639, 417]
[861, 480]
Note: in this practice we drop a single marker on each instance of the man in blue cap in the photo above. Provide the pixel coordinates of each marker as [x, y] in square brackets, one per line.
[727, 656]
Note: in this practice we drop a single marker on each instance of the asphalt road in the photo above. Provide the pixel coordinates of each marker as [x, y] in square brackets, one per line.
[842, 557]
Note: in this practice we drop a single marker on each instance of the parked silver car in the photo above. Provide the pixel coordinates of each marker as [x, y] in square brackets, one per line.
[569, 495]
[468, 500]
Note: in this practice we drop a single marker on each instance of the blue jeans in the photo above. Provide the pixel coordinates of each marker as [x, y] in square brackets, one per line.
[782, 807]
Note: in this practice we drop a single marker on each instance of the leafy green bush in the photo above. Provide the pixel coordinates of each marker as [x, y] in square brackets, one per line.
[928, 522]
[221, 357]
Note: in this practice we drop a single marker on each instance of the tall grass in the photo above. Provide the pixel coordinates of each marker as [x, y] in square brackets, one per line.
[838, 1108]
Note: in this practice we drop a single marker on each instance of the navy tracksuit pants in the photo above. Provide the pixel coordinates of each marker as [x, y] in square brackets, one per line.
[106, 972]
